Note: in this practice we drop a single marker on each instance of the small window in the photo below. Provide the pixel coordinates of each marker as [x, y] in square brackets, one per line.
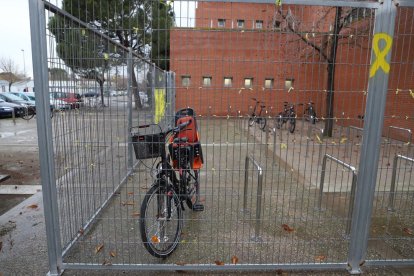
[221, 23]
[268, 83]
[277, 25]
[248, 82]
[240, 23]
[185, 81]
[259, 24]
[206, 81]
[228, 81]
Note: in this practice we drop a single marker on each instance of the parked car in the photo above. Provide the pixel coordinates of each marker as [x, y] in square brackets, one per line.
[6, 109]
[10, 98]
[73, 99]
[26, 96]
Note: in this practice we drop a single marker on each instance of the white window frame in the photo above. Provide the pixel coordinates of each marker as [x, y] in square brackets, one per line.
[260, 22]
[240, 23]
[184, 79]
[221, 23]
[228, 81]
[248, 82]
[207, 80]
[267, 80]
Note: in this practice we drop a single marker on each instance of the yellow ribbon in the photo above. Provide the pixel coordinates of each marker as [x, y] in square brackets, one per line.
[106, 56]
[380, 61]
[159, 104]
[278, 2]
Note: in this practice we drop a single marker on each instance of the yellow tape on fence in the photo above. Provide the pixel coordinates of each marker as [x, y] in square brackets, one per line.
[159, 104]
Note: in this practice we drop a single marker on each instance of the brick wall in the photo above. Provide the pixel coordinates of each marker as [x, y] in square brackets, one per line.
[268, 54]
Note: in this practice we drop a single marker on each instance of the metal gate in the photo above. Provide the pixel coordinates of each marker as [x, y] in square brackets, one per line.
[329, 187]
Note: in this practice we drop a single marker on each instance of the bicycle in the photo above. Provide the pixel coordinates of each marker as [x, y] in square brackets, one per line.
[261, 121]
[161, 218]
[30, 111]
[310, 113]
[287, 115]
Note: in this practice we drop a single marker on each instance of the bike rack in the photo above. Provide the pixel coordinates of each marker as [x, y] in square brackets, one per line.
[249, 159]
[410, 134]
[348, 134]
[394, 178]
[353, 187]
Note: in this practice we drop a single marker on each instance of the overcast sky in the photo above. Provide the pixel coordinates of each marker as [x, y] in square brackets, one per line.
[15, 33]
[15, 43]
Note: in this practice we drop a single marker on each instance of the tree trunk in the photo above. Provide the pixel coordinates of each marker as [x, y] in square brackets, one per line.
[329, 120]
[135, 91]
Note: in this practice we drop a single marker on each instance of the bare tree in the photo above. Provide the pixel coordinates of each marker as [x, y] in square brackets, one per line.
[323, 35]
[10, 71]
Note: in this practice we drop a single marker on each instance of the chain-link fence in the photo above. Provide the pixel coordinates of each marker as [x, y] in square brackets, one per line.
[304, 114]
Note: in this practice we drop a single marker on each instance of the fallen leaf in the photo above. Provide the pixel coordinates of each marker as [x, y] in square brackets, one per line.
[130, 203]
[234, 260]
[409, 231]
[112, 254]
[33, 206]
[131, 193]
[283, 146]
[98, 248]
[81, 231]
[320, 258]
[136, 214]
[106, 262]
[219, 262]
[287, 228]
[318, 138]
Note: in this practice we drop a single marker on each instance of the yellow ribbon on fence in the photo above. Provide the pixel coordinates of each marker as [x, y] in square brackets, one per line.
[278, 2]
[159, 104]
[380, 55]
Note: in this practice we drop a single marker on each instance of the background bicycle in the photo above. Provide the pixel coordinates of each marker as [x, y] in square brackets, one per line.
[257, 118]
[310, 113]
[288, 115]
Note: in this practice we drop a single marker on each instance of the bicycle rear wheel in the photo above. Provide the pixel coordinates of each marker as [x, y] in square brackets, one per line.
[292, 125]
[279, 121]
[251, 120]
[161, 220]
[262, 123]
[29, 113]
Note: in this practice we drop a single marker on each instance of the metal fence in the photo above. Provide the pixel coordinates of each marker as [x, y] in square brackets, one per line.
[135, 63]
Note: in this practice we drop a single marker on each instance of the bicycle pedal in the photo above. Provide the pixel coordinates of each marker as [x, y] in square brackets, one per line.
[198, 207]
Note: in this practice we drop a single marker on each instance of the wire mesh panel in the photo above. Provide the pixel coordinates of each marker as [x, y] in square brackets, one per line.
[239, 124]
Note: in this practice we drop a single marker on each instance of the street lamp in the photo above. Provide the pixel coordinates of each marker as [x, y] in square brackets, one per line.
[24, 63]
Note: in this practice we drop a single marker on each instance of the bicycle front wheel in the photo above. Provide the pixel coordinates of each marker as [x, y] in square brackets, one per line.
[292, 125]
[161, 220]
[251, 120]
[29, 112]
[262, 123]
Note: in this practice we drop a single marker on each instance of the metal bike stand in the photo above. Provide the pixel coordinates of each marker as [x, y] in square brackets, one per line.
[256, 237]
[348, 134]
[394, 178]
[353, 187]
[408, 140]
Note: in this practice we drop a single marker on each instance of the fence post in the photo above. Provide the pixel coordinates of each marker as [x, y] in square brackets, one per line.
[130, 71]
[385, 17]
[394, 179]
[45, 136]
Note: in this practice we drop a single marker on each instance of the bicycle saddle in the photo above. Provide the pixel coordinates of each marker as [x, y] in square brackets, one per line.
[263, 106]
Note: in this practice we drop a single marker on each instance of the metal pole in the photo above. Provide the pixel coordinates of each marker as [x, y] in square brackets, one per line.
[130, 71]
[322, 182]
[246, 178]
[351, 202]
[309, 133]
[392, 188]
[45, 136]
[374, 119]
[257, 237]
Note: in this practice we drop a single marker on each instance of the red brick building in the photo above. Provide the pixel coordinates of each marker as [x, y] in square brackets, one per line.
[237, 51]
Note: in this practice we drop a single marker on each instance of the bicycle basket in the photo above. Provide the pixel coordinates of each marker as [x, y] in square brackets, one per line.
[148, 146]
